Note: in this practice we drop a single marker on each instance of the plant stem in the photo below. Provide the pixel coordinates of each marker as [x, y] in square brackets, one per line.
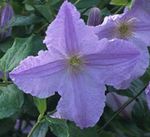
[121, 109]
[119, 10]
[77, 2]
[36, 125]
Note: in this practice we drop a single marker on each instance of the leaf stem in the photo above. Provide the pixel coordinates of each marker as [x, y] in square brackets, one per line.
[5, 77]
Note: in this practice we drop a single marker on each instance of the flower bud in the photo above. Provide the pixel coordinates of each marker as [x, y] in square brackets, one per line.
[147, 91]
[115, 101]
[24, 126]
[6, 15]
[94, 18]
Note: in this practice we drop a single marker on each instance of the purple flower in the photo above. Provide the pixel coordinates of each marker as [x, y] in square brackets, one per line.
[94, 18]
[24, 126]
[133, 30]
[77, 65]
[115, 101]
[5, 17]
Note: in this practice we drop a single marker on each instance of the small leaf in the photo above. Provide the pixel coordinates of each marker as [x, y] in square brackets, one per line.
[11, 100]
[120, 2]
[45, 11]
[86, 3]
[58, 127]
[24, 20]
[40, 130]
[5, 45]
[41, 105]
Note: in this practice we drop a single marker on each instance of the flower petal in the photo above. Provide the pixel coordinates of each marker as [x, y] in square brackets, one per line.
[142, 63]
[40, 76]
[106, 29]
[113, 63]
[78, 99]
[140, 10]
[67, 31]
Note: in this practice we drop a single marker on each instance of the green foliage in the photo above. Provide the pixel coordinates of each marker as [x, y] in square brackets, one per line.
[41, 105]
[11, 101]
[121, 2]
[58, 127]
[62, 128]
[77, 132]
[40, 130]
[24, 20]
[21, 48]
[86, 3]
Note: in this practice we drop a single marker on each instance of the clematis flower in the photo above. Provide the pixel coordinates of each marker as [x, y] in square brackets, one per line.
[6, 15]
[132, 29]
[115, 101]
[76, 65]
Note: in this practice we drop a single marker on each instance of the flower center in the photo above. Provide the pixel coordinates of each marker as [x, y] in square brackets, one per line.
[75, 61]
[124, 30]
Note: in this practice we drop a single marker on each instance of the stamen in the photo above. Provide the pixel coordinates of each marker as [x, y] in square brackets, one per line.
[124, 30]
[75, 61]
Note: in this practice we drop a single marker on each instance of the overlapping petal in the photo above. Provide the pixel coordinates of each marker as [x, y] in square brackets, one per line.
[106, 29]
[141, 66]
[140, 9]
[113, 62]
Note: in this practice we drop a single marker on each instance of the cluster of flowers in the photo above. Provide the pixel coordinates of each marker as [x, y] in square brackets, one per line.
[81, 59]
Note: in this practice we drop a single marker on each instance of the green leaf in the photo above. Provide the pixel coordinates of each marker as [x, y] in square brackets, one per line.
[107, 134]
[41, 105]
[141, 114]
[58, 127]
[5, 126]
[45, 11]
[61, 128]
[24, 20]
[86, 3]
[29, 7]
[40, 130]
[11, 100]
[5, 45]
[120, 2]
[74, 131]
[127, 129]
[21, 48]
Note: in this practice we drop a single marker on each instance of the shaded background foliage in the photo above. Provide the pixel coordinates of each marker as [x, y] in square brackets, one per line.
[19, 112]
